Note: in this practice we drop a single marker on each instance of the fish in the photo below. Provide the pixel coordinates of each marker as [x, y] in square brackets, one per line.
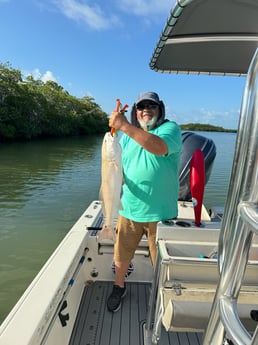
[111, 184]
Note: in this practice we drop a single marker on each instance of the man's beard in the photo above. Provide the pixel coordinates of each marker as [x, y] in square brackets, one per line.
[148, 125]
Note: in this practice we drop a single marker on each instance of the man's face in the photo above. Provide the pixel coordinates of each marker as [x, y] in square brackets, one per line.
[147, 114]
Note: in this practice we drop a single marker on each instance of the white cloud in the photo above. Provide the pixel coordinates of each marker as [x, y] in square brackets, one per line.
[91, 15]
[37, 75]
[227, 119]
[146, 7]
[100, 14]
[48, 75]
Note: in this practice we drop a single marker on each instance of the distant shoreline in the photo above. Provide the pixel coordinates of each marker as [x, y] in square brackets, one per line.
[205, 128]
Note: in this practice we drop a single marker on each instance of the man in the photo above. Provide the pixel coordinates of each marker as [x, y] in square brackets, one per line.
[151, 148]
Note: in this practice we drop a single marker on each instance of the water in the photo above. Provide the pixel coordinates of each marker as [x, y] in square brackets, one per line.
[216, 189]
[44, 188]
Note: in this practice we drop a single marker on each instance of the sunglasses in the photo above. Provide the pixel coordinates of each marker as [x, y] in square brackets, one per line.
[146, 106]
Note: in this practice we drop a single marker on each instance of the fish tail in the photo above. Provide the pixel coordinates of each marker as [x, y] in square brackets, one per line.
[107, 233]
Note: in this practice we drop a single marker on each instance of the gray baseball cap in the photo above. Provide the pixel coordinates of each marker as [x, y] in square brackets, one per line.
[150, 96]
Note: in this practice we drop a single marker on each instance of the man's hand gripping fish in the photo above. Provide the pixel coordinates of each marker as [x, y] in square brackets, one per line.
[111, 183]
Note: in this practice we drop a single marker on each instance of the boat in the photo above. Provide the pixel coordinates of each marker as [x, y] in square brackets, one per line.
[203, 288]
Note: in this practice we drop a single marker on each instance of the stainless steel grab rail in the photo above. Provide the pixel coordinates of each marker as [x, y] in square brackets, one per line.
[239, 223]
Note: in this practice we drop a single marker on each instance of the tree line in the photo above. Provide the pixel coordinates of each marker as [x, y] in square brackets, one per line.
[32, 109]
[205, 128]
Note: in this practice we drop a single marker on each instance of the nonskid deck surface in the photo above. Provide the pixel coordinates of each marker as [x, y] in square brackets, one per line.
[95, 325]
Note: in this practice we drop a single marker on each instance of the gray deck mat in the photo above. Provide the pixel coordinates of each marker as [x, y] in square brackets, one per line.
[95, 325]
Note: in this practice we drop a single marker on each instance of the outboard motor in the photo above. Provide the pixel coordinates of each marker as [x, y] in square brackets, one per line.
[192, 142]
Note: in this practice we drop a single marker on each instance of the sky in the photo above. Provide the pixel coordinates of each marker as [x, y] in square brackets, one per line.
[102, 49]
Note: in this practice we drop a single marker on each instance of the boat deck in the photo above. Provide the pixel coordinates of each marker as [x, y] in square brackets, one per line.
[95, 325]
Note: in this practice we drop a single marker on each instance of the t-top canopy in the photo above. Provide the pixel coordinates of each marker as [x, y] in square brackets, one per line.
[208, 37]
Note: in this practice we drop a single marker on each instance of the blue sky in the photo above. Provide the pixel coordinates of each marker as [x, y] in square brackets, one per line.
[102, 49]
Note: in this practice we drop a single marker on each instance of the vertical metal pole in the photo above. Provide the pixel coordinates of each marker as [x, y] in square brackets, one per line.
[235, 238]
[153, 293]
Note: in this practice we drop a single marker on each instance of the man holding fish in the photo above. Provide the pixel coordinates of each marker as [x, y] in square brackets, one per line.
[151, 148]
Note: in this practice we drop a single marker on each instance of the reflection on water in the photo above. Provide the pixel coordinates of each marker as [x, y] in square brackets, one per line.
[46, 185]
[44, 188]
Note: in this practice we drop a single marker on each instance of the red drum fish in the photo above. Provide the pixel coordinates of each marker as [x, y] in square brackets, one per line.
[111, 183]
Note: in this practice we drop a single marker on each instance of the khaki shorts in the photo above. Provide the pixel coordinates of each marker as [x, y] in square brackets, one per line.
[128, 236]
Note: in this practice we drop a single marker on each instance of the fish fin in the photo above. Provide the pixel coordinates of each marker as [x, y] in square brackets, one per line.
[102, 203]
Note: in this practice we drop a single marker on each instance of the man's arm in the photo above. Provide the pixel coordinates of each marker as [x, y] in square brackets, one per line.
[150, 142]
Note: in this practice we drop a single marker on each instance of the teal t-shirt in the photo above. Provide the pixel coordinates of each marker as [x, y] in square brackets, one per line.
[151, 183]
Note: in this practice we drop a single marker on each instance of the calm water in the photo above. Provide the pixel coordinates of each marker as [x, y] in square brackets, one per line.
[45, 186]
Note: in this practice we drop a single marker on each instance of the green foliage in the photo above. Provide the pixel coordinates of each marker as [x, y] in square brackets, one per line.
[205, 128]
[31, 109]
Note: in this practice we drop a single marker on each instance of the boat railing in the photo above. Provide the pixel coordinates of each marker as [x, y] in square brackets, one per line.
[231, 307]
[185, 280]
[240, 223]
